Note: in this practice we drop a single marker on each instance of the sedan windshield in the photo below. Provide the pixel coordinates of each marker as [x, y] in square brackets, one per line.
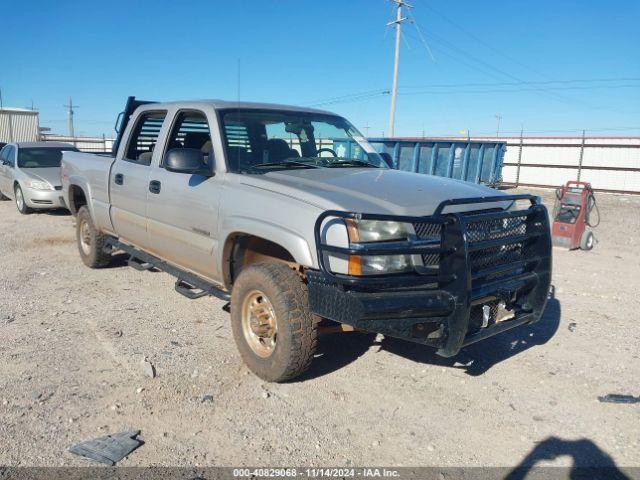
[259, 141]
[41, 157]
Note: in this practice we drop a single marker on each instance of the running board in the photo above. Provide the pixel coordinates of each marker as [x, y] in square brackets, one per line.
[188, 284]
[141, 266]
[190, 291]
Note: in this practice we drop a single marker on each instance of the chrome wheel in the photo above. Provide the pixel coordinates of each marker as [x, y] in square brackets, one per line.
[259, 323]
[19, 199]
[85, 237]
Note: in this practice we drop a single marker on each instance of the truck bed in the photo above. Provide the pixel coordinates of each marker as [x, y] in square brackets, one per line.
[89, 171]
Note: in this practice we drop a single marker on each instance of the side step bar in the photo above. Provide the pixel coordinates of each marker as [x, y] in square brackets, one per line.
[190, 291]
[141, 266]
[188, 284]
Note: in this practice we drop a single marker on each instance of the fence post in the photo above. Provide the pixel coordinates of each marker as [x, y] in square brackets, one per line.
[519, 158]
[581, 156]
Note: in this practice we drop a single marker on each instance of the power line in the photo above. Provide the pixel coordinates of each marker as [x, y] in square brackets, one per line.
[516, 90]
[528, 82]
[480, 40]
[450, 88]
[348, 98]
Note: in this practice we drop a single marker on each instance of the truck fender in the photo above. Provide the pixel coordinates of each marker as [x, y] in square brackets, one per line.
[76, 181]
[99, 210]
[288, 239]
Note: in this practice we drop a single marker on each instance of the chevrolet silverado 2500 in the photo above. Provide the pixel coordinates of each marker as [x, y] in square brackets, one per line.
[264, 206]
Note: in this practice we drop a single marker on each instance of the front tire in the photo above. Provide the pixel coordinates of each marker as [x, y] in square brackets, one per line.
[21, 203]
[272, 326]
[91, 242]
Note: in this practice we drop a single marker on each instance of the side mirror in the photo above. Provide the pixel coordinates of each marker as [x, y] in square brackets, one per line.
[387, 158]
[189, 161]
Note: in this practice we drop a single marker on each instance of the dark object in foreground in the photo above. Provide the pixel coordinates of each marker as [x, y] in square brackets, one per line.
[109, 449]
[619, 398]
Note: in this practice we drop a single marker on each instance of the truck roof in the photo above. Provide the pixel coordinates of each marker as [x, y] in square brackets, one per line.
[220, 104]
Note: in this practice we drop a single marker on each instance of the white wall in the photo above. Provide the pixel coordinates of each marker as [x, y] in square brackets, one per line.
[546, 162]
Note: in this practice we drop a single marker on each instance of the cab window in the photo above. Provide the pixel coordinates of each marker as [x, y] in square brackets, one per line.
[190, 130]
[144, 137]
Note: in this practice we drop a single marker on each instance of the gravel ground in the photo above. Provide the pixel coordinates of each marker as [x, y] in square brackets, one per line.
[72, 340]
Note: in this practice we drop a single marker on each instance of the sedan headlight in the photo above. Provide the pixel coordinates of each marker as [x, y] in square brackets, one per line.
[38, 185]
[371, 231]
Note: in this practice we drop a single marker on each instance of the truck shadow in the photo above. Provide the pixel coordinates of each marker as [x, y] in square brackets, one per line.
[476, 359]
[589, 461]
[118, 260]
[337, 351]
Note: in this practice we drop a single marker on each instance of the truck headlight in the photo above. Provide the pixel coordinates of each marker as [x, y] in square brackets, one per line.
[38, 185]
[371, 231]
[363, 231]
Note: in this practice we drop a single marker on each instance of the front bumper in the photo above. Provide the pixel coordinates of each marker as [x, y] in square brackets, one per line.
[482, 260]
[43, 198]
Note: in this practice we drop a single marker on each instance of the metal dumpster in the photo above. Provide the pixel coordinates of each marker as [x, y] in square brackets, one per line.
[469, 160]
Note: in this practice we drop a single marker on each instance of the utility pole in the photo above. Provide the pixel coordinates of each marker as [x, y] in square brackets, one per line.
[499, 118]
[70, 117]
[394, 90]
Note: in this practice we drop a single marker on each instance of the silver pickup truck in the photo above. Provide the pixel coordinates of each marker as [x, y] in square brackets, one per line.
[292, 217]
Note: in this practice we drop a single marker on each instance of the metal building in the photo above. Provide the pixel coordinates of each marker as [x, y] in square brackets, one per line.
[19, 125]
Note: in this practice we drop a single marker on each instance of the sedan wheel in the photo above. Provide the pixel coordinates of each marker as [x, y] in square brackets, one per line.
[20, 202]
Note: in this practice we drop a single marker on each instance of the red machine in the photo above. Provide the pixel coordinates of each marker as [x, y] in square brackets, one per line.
[574, 205]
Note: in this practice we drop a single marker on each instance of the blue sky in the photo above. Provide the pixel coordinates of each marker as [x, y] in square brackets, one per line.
[534, 63]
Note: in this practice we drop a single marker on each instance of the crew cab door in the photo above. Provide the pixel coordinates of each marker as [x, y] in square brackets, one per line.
[182, 209]
[129, 179]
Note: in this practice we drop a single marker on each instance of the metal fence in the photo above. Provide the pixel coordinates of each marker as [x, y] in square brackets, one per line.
[609, 164]
[85, 144]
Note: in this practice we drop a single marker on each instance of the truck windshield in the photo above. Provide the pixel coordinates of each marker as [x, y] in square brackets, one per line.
[258, 141]
[41, 157]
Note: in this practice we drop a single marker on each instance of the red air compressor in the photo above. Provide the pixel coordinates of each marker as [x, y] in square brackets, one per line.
[572, 212]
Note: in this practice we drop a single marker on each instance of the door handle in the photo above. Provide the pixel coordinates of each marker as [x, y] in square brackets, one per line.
[154, 186]
[119, 179]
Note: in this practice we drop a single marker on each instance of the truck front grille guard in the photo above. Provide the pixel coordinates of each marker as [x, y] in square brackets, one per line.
[474, 257]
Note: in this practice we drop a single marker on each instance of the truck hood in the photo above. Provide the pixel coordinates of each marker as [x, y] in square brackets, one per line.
[50, 174]
[368, 190]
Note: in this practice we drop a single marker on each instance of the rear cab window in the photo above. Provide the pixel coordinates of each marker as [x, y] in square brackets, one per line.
[144, 137]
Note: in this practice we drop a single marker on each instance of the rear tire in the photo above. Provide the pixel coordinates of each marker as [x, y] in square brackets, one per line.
[3, 197]
[587, 240]
[21, 204]
[272, 326]
[91, 242]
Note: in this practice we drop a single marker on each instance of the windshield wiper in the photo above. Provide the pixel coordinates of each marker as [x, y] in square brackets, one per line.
[284, 163]
[352, 163]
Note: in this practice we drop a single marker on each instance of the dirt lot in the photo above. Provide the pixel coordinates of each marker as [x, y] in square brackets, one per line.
[72, 340]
